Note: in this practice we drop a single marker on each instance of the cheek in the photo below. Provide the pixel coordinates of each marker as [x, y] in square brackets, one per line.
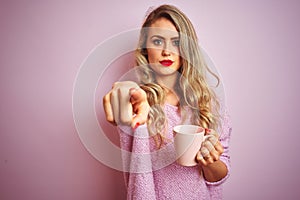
[180, 60]
[153, 55]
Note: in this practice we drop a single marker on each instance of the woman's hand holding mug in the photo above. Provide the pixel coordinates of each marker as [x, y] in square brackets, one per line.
[211, 149]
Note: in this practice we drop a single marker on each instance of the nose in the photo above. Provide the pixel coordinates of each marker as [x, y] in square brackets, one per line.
[165, 50]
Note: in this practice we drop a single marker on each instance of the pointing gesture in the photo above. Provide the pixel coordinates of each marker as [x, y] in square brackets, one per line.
[126, 103]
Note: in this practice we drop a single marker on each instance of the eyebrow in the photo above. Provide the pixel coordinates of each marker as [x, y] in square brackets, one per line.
[161, 37]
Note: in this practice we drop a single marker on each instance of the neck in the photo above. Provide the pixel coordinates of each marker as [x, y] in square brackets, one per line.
[168, 82]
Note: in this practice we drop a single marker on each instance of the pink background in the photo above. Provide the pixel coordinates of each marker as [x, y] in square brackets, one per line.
[254, 44]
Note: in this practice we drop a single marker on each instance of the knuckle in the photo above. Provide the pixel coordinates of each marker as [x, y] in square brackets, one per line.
[106, 99]
[199, 158]
[207, 143]
[221, 150]
[123, 93]
[215, 156]
[210, 161]
[204, 152]
[114, 94]
[115, 84]
[213, 139]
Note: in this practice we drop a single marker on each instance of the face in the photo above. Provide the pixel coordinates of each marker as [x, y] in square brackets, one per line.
[163, 47]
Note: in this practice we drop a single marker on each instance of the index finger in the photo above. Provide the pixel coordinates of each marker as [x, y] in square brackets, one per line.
[137, 95]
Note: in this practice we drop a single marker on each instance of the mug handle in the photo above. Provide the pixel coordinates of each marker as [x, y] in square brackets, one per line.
[207, 136]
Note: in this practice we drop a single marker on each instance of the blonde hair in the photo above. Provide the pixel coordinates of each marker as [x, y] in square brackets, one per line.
[192, 84]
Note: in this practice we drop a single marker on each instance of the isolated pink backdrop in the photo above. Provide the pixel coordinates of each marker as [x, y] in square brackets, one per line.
[254, 44]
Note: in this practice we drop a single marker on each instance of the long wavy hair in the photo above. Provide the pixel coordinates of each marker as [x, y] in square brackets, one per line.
[192, 85]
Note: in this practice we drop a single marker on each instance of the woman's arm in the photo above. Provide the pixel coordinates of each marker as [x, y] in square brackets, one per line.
[214, 156]
[215, 171]
[137, 163]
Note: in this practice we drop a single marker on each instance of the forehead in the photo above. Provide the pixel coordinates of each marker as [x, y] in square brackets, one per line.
[163, 27]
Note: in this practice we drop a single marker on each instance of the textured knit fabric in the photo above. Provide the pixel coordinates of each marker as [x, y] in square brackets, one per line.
[152, 173]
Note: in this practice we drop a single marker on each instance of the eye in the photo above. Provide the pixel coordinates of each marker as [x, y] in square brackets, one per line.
[176, 43]
[157, 42]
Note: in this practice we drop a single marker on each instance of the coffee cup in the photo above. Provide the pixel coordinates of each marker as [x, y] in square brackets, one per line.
[187, 141]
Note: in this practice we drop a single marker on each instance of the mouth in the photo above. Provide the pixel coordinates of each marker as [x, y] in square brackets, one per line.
[166, 63]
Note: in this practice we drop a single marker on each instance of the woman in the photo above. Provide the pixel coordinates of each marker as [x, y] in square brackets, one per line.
[173, 90]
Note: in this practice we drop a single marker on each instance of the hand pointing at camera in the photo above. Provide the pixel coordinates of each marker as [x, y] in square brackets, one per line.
[126, 103]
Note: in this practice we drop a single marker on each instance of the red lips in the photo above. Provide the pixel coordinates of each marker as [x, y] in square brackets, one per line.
[166, 63]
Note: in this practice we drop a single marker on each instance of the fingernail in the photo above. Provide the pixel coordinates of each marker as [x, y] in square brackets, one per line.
[136, 125]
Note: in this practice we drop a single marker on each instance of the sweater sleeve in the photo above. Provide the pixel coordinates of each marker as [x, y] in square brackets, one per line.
[225, 134]
[137, 165]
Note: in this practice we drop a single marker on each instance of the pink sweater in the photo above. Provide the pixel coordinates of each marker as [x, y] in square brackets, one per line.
[152, 173]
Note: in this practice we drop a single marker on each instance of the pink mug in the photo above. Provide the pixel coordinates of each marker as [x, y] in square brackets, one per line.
[187, 141]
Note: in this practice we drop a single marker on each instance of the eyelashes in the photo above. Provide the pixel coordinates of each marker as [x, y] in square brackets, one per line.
[160, 42]
[176, 43]
[157, 42]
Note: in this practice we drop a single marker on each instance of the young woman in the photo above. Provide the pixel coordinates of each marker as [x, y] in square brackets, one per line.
[172, 90]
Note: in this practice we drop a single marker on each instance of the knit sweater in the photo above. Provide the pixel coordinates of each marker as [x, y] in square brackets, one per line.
[153, 173]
